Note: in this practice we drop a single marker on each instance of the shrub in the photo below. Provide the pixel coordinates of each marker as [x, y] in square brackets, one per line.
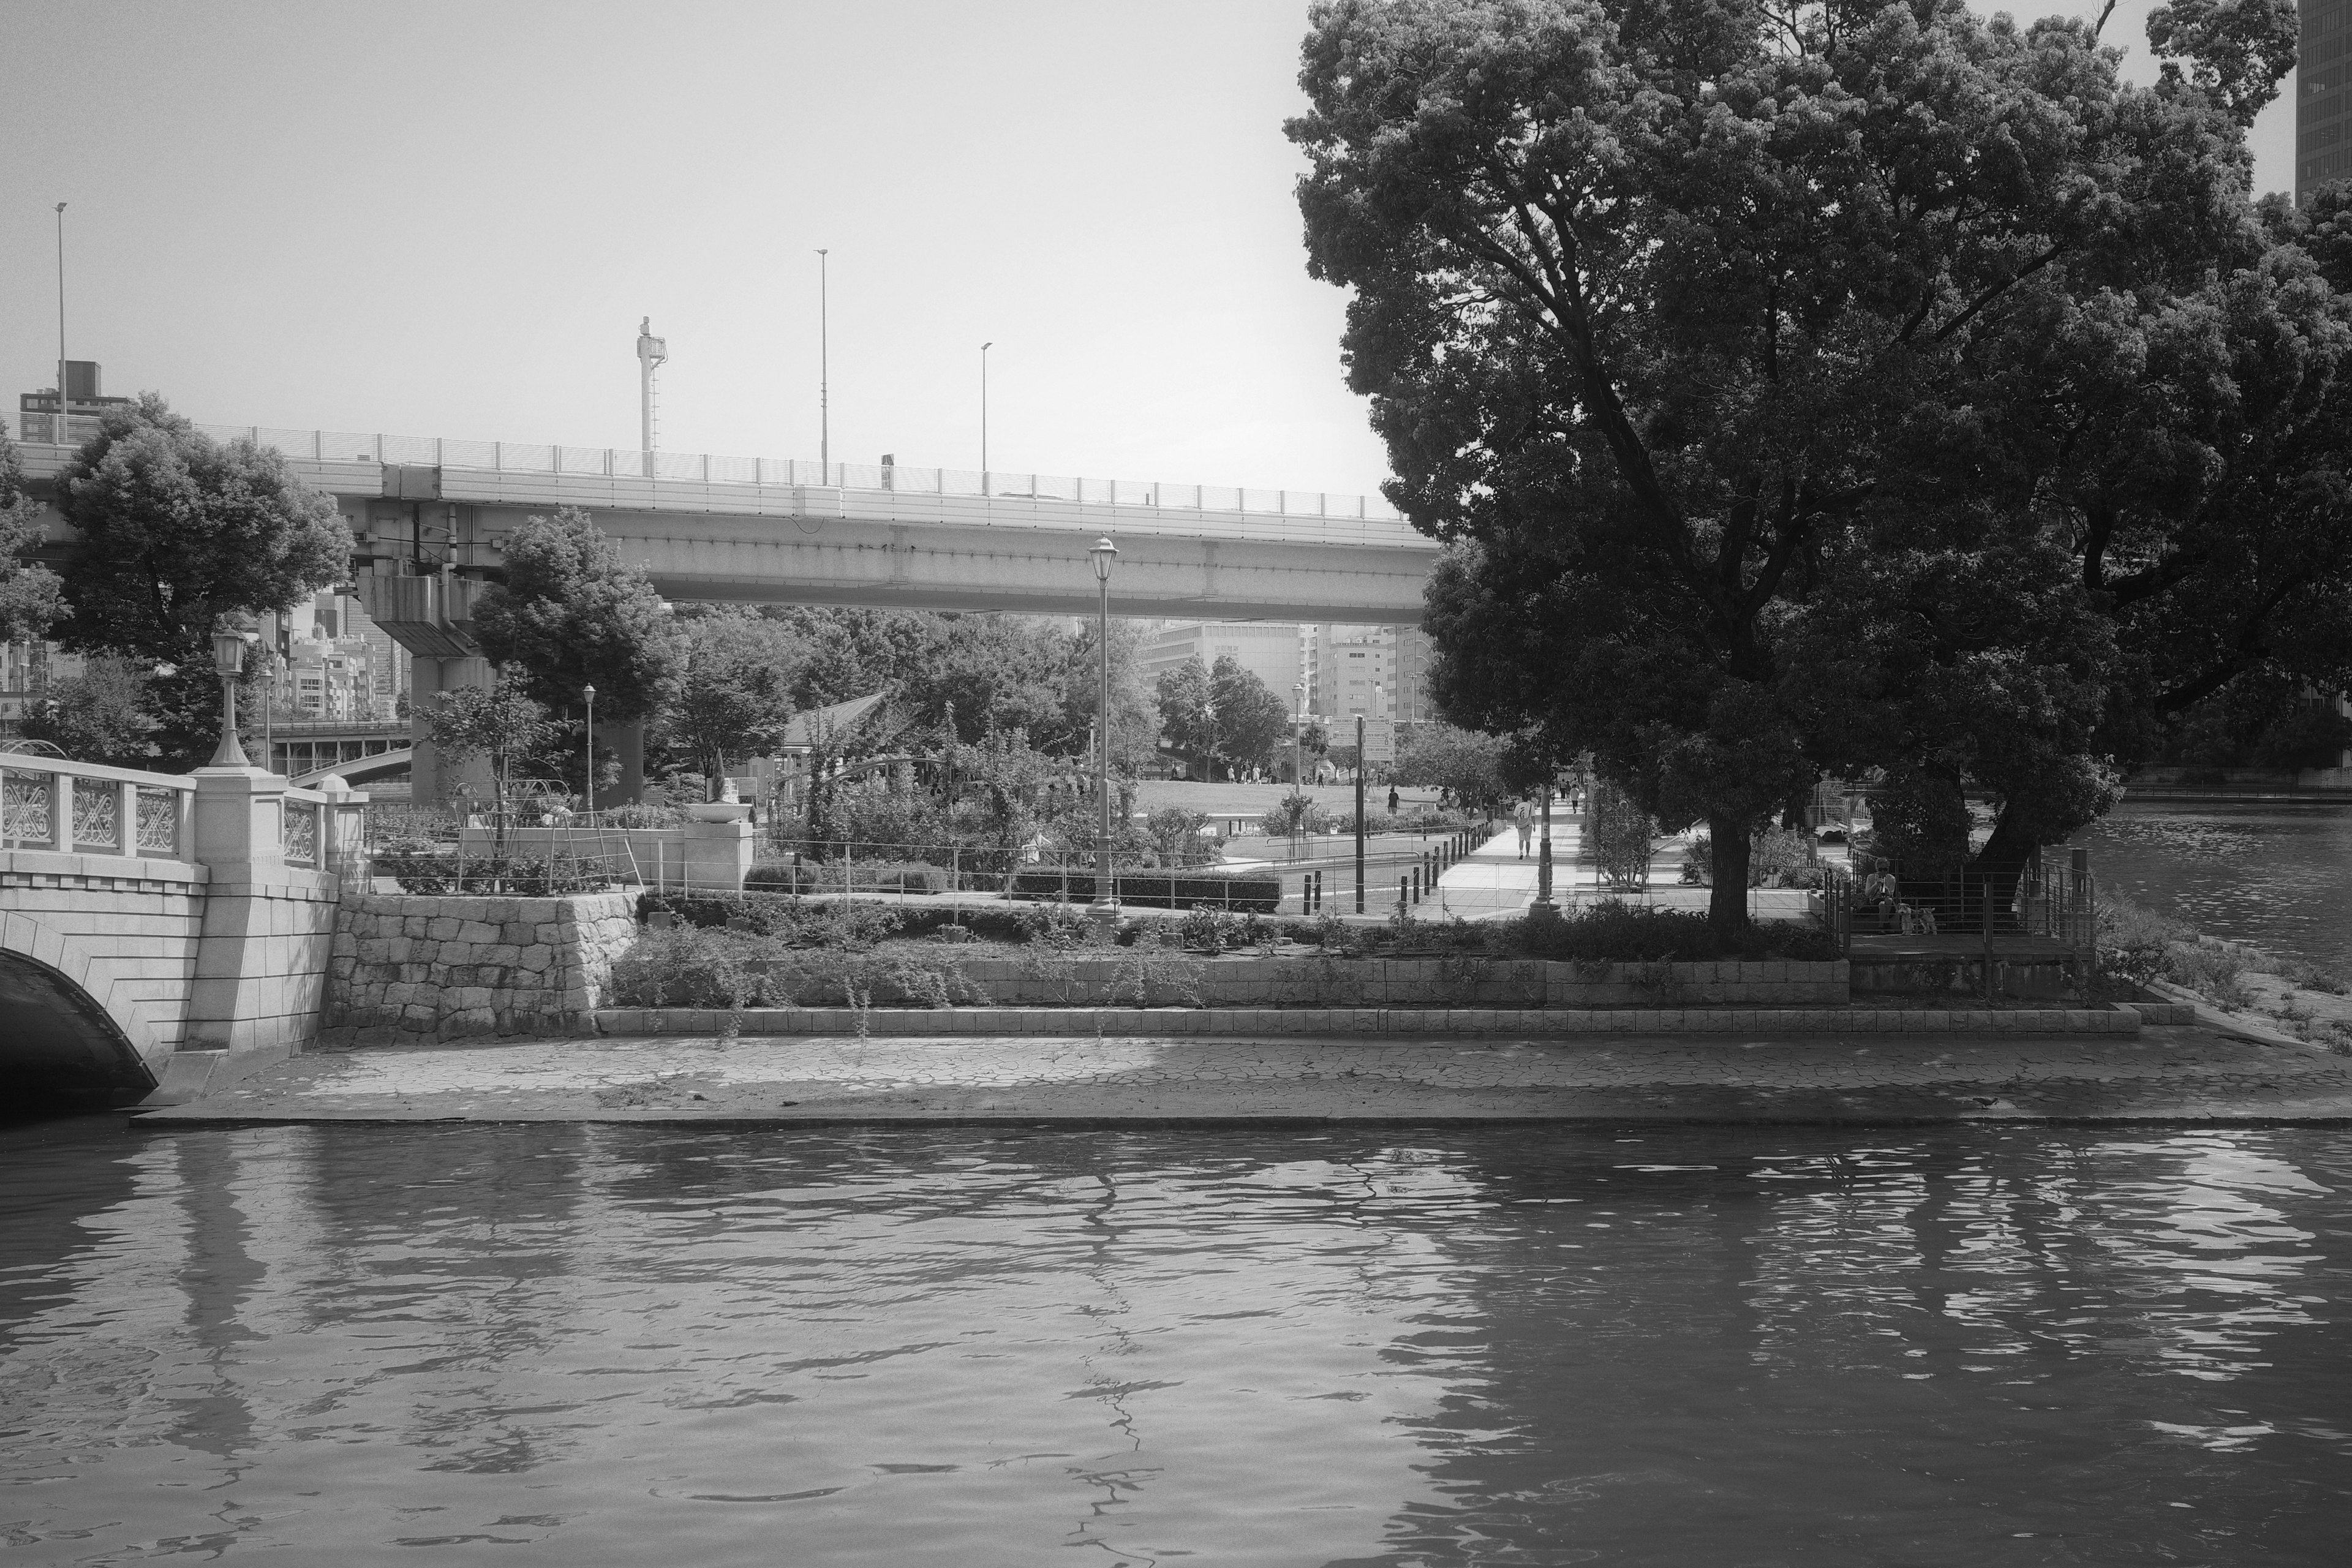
[684, 966]
[1295, 813]
[1614, 931]
[848, 877]
[1176, 839]
[1621, 836]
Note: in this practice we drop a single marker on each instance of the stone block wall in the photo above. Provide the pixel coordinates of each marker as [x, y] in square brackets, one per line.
[406, 968]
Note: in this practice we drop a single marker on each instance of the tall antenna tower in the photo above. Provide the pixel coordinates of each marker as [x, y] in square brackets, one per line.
[651, 351]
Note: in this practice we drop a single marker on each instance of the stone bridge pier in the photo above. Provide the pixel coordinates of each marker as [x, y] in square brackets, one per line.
[159, 933]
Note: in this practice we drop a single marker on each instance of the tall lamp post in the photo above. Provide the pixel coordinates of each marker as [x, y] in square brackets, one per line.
[983, 415]
[589, 693]
[823, 369]
[1297, 760]
[59, 429]
[1105, 909]
[228, 659]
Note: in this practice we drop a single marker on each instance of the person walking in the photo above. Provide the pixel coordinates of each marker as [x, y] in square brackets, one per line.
[1524, 820]
[1392, 800]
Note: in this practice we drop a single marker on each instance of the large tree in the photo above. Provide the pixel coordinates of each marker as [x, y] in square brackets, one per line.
[179, 534]
[571, 614]
[31, 598]
[733, 695]
[1655, 303]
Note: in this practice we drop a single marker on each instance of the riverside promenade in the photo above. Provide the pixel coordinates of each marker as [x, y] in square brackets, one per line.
[2178, 1073]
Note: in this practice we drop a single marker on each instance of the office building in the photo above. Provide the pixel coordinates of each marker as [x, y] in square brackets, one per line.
[1271, 650]
[2323, 130]
[1354, 663]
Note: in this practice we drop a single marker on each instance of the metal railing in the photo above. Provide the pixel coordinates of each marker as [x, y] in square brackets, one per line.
[2057, 905]
[711, 468]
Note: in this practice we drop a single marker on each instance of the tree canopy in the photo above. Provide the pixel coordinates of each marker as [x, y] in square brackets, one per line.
[570, 615]
[1221, 712]
[179, 533]
[31, 598]
[1729, 346]
[733, 691]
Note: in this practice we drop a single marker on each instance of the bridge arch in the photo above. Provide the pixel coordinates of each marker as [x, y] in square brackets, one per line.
[62, 1041]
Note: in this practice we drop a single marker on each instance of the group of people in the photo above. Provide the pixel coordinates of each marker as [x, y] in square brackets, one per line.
[1882, 893]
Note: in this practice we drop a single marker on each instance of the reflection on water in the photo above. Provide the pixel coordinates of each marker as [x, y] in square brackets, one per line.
[581, 1344]
[2278, 873]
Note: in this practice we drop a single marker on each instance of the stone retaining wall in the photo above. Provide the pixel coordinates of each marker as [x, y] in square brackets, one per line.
[1318, 982]
[440, 968]
[1767, 1024]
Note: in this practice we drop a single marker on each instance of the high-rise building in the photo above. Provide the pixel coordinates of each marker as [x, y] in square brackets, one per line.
[1353, 663]
[1268, 649]
[2323, 130]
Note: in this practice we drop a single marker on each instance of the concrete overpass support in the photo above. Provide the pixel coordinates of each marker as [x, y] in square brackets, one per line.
[430, 777]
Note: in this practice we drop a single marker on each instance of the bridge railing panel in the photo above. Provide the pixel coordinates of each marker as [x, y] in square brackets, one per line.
[88, 808]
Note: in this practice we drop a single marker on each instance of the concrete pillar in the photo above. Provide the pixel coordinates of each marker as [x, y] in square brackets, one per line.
[628, 744]
[718, 854]
[429, 781]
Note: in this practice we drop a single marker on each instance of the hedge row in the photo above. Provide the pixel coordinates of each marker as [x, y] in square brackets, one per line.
[1156, 890]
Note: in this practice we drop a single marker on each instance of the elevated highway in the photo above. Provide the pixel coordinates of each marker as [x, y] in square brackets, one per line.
[781, 531]
[430, 516]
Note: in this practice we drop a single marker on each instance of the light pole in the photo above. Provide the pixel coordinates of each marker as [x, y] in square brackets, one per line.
[1297, 760]
[1105, 910]
[589, 794]
[823, 370]
[59, 429]
[1359, 813]
[983, 415]
[228, 659]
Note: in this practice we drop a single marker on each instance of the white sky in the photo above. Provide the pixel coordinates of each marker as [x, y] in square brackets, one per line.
[437, 219]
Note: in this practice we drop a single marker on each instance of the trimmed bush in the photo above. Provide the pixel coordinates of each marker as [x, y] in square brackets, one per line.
[1156, 890]
[848, 877]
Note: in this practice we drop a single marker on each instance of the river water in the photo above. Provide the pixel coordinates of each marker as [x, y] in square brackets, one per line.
[1695, 1348]
[2276, 873]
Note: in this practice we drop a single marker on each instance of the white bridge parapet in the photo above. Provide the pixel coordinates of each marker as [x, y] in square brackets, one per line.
[156, 926]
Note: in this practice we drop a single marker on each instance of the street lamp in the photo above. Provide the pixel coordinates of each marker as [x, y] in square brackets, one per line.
[983, 415]
[589, 693]
[1297, 760]
[228, 659]
[1105, 909]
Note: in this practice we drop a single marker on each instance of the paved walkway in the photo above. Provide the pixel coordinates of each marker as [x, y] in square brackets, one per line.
[2164, 1074]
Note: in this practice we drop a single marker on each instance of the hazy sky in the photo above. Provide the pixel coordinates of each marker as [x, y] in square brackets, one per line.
[434, 218]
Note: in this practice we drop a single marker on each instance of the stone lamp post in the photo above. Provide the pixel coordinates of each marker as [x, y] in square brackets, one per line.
[228, 658]
[1105, 909]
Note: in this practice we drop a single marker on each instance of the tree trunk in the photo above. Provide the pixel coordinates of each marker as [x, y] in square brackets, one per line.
[1994, 870]
[1727, 904]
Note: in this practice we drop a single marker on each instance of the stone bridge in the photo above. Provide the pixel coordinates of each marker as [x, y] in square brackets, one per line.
[155, 929]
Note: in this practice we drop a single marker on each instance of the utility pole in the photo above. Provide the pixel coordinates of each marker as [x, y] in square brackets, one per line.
[823, 370]
[983, 415]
